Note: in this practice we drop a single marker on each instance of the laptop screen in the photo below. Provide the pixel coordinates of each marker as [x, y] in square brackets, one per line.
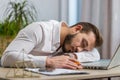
[115, 59]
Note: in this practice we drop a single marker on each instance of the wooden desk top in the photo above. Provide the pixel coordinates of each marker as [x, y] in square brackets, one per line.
[114, 72]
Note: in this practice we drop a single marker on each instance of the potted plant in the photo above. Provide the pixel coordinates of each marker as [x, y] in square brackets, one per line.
[19, 14]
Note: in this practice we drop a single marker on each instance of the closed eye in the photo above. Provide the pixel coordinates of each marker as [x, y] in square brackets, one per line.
[85, 50]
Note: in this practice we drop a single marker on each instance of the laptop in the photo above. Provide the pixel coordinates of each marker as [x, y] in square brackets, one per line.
[104, 63]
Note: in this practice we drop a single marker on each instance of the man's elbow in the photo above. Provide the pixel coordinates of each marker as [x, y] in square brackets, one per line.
[8, 59]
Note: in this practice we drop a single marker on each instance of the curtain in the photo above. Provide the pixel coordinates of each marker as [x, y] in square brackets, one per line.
[105, 14]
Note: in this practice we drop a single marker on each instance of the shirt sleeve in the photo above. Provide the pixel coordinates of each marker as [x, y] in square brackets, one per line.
[26, 40]
[87, 56]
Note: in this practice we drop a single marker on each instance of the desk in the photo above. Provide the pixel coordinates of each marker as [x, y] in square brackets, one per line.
[114, 72]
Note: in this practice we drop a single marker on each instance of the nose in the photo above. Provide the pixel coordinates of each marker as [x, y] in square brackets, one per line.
[79, 49]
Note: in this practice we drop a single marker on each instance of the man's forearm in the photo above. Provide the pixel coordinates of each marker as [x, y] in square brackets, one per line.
[9, 59]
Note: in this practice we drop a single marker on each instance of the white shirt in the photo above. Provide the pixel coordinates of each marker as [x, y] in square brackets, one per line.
[39, 40]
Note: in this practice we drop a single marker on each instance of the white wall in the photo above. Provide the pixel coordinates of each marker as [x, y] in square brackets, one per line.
[3, 6]
[46, 9]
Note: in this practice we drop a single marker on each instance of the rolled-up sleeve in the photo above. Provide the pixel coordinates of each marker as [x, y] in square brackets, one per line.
[87, 56]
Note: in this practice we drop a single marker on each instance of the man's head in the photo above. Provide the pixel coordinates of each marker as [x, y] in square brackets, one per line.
[83, 36]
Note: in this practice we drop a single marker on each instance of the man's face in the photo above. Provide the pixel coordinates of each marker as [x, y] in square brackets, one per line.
[79, 42]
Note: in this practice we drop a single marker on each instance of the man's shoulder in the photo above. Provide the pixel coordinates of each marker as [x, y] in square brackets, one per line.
[54, 21]
[47, 21]
[47, 24]
[43, 25]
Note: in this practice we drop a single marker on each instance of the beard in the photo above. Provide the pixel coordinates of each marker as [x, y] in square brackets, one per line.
[67, 41]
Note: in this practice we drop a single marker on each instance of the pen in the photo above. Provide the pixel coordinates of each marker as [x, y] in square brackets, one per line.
[77, 62]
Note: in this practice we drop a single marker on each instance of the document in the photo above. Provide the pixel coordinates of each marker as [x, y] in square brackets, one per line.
[56, 71]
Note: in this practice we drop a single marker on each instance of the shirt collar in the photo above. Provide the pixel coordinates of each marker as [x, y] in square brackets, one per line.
[56, 34]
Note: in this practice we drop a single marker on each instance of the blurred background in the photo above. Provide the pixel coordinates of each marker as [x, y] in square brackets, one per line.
[105, 14]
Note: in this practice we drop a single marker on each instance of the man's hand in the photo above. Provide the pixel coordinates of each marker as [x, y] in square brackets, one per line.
[62, 61]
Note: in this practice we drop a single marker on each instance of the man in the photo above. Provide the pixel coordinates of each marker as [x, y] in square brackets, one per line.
[53, 44]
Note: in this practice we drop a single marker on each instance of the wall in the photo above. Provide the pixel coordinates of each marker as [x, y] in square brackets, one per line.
[46, 9]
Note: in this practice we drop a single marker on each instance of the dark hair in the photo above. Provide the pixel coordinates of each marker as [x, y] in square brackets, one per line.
[87, 27]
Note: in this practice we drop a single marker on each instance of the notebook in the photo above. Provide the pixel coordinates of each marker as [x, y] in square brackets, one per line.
[56, 72]
[104, 63]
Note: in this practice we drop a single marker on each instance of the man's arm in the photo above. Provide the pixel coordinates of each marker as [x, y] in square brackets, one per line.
[63, 61]
[26, 39]
[69, 60]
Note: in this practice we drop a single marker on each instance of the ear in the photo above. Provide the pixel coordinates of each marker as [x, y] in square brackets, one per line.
[77, 28]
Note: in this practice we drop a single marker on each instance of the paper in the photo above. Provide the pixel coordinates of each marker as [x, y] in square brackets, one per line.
[56, 71]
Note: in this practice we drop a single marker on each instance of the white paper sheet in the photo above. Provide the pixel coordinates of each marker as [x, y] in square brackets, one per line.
[56, 71]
